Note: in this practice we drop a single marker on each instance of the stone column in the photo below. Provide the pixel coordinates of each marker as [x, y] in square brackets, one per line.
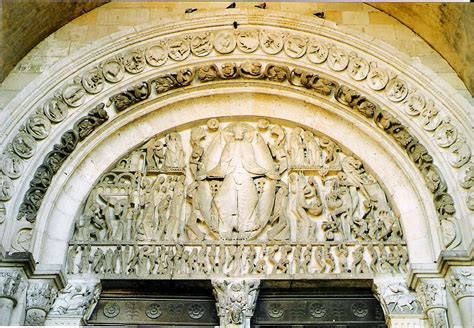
[432, 295]
[9, 283]
[40, 296]
[236, 300]
[461, 286]
[399, 303]
[74, 304]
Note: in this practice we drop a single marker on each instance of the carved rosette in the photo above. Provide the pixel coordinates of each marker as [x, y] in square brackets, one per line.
[236, 300]
[461, 282]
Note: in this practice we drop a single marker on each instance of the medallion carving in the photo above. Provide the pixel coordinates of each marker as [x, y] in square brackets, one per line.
[134, 61]
[396, 90]
[38, 126]
[247, 40]
[178, 49]
[55, 110]
[337, 59]
[24, 145]
[157, 54]
[271, 42]
[93, 81]
[358, 67]
[201, 44]
[11, 165]
[295, 46]
[377, 78]
[74, 94]
[317, 52]
[225, 42]
[113, 70]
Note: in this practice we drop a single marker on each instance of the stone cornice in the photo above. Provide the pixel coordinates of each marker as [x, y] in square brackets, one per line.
[25, 261]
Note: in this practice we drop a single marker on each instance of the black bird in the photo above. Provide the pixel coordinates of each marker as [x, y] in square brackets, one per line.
[319, 14]
[232, 5]
[261, 6]
[190, 10]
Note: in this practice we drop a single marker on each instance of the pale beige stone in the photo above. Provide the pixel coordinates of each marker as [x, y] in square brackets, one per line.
[121, 16]
[355, 18]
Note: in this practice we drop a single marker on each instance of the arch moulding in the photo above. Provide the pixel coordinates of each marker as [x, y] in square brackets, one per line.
[109, 99]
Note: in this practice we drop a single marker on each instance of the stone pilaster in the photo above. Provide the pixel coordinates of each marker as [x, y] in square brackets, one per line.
[399, 303]
[74, 304]
[236, 300]
[432, 295]
[40, 296]
[9, 290]
[460, 283]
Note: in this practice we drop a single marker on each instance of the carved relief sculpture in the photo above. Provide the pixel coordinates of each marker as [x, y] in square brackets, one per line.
[178, 204]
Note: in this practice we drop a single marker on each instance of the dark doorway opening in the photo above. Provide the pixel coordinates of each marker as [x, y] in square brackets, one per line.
[281, 303]
[163, 303]
[311, 304]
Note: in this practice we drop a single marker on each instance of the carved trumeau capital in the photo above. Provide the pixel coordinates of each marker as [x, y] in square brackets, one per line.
[236, 300]
[395, 297]
[9, 284]
[461, 282]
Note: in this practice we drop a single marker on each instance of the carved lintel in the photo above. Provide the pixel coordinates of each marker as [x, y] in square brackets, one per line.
[236, 300]
[432, 295]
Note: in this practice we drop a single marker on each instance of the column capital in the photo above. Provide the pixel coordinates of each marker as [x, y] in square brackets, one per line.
[460, 282]
[432, 293]
[10, 281]
[236, 300]
[395, 297]
[75, 302]
[40, 296]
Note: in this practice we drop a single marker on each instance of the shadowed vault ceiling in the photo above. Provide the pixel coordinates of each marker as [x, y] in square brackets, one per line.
[448, 28]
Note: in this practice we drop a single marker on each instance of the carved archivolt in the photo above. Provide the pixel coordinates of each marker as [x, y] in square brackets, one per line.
[326, 87]
[274, 73]
[237, 198]
[312, 50]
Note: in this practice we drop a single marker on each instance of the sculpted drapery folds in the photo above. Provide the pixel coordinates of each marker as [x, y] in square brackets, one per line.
[237, 198]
